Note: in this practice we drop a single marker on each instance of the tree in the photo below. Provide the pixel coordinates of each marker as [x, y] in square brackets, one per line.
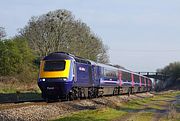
[59, 31]
[15, 57]
[173, 71]
[2, 33]
[103, 55]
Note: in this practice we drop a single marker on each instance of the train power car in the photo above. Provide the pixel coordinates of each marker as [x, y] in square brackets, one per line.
[65, 76]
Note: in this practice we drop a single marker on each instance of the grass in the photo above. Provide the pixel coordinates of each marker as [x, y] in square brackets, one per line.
[18, 83]
[135, 104]
[177, 105]
[16, 91]
[7, 88]
[143, 109]
[143, 116]
[107, 114]
[103, 114]
[15, 87]
[172, 115]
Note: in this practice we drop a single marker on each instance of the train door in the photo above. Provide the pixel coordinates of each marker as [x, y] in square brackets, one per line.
[74, 73]
[95, 75]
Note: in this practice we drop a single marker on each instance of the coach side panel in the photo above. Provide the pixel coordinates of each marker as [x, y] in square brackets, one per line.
[83, 75]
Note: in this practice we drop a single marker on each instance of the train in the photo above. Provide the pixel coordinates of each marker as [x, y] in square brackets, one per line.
[66, 76]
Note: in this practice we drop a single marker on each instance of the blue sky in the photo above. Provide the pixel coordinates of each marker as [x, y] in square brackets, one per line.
[142, 35]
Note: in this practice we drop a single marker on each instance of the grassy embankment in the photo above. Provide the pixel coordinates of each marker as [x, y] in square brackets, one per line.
[12, 90]
[13, 84]
[18, 87]
[159, 107]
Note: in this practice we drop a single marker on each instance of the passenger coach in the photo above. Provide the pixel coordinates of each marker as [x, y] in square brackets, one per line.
[66, 76]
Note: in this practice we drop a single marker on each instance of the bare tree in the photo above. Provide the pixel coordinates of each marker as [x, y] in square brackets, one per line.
[2, 33]
[103, 55]
[59, 31]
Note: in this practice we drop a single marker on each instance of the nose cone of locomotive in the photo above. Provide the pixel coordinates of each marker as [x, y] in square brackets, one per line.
[56, 75]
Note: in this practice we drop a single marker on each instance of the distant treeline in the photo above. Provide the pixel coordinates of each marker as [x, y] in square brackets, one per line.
[173, 71]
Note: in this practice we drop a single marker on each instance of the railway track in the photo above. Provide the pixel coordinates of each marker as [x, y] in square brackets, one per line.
[25, 103]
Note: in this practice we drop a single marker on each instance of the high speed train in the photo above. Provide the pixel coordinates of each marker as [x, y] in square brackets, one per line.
[66, 76]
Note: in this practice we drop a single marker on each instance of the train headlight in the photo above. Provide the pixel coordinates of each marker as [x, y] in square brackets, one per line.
[64, 79]
[42, 80]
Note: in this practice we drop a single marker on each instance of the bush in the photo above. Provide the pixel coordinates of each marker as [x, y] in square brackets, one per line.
[16, 59]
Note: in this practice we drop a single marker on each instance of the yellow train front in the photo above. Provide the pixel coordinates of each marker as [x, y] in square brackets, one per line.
[56, 75]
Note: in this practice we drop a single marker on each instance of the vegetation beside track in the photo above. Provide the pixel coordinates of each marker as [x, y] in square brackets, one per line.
[18, 91]
[162, 106]
[9, 88]
[103, 114]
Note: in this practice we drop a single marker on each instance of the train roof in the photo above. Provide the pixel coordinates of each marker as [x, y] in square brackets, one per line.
[115, 68]
[57, 56]
[64, 55]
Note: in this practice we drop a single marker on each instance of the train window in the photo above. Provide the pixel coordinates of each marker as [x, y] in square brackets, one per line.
[146, 81]
[142, 80]
[54, 65]
[149, 82]
[110, 73]
[136, 78]
[81, 60]
[126, 76]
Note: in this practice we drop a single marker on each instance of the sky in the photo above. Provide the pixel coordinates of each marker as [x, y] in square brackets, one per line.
[142, 35]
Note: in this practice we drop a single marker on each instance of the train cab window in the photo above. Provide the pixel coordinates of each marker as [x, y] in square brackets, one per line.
[54, 65]
[136, 79]
[126, 76]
